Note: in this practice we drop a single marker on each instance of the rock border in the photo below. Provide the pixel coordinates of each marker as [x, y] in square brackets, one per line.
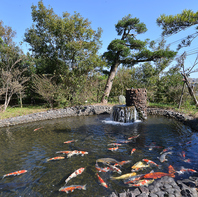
[93, 110]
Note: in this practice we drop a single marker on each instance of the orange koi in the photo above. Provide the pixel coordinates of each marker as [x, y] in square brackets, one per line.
[156, 175]
[68, 142]
[141, 183]
[101, 181]
[150, 162]
[72, 188]
[55, 158]
[74, 174]
[15, 173]
[38, 128]
[133, 150]
[125, 141]
[133, 137]
[113, 149]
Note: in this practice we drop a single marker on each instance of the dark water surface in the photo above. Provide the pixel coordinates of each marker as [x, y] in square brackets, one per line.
[23, 148]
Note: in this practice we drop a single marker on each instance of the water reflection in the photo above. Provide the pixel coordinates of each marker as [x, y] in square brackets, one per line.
[23, 148]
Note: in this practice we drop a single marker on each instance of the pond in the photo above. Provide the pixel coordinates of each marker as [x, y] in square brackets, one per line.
[22, 148]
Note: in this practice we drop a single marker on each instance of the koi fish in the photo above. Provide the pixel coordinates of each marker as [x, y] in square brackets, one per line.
[187, 160]
[124, 176]
[144, 182]
[101, 181]
[133, 179]
[151, 147]
[114, 144]
[55, 158]
[75, 174]
[113, 149]
[72, 188]
[64, 151]
[38, 128]
[15, 173]
[76, 152]
[156, 175]
[68, 142]
[133, 150]
[115, 169]
[185, 170]
[139, 165]
[150, 162]
[162, 158]
[125, 141]
[106, 169]
[107, 160]
[166, 149]
[121, 163]
[133, 137]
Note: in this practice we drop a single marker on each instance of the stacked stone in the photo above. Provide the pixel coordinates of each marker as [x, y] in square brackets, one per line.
[166, 186]
[138, 98]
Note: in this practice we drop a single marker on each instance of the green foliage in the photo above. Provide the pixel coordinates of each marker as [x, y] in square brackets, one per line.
[62, 43]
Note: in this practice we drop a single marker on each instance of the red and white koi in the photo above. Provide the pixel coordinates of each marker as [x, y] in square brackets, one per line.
[183, 154]
[15, 173]
[64, 152]
[187, 160]
[68, 142]
[101, 181]
[106, 169]
[121, 163]
[133, 137]
[150, 162]
[166, 149]
[133, 150]
[76, 152]
[71, 188]
[75, 174]
[55, 158]
[113, 149]
[115, 169]
[183, 170]
[144, 182]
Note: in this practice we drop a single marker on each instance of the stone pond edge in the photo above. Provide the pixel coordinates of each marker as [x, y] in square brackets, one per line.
[93, 110]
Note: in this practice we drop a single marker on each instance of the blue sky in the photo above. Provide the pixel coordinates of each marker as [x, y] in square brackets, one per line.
[104, 14]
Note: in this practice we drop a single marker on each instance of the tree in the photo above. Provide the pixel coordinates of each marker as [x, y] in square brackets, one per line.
[62, 44]
[174, 24]
[128, 50]
[12, 67]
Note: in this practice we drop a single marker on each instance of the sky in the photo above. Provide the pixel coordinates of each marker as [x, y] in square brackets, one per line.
[105, 14]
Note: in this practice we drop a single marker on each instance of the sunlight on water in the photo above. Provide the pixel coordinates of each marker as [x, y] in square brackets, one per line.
[109, 121]
[26, 147]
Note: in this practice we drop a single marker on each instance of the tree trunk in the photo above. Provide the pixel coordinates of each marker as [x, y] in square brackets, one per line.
[181, 96]
[109, 83]
[190, 89]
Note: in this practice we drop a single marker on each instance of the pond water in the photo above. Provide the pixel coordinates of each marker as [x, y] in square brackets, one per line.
[22, 148]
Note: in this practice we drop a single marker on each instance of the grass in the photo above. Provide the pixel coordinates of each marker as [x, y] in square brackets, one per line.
[17, 111]
[187, 109]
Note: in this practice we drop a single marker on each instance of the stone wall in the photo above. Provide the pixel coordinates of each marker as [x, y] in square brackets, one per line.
[137, 98]
[59, 113]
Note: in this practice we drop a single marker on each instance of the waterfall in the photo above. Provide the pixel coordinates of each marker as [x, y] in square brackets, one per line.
[123, 113]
